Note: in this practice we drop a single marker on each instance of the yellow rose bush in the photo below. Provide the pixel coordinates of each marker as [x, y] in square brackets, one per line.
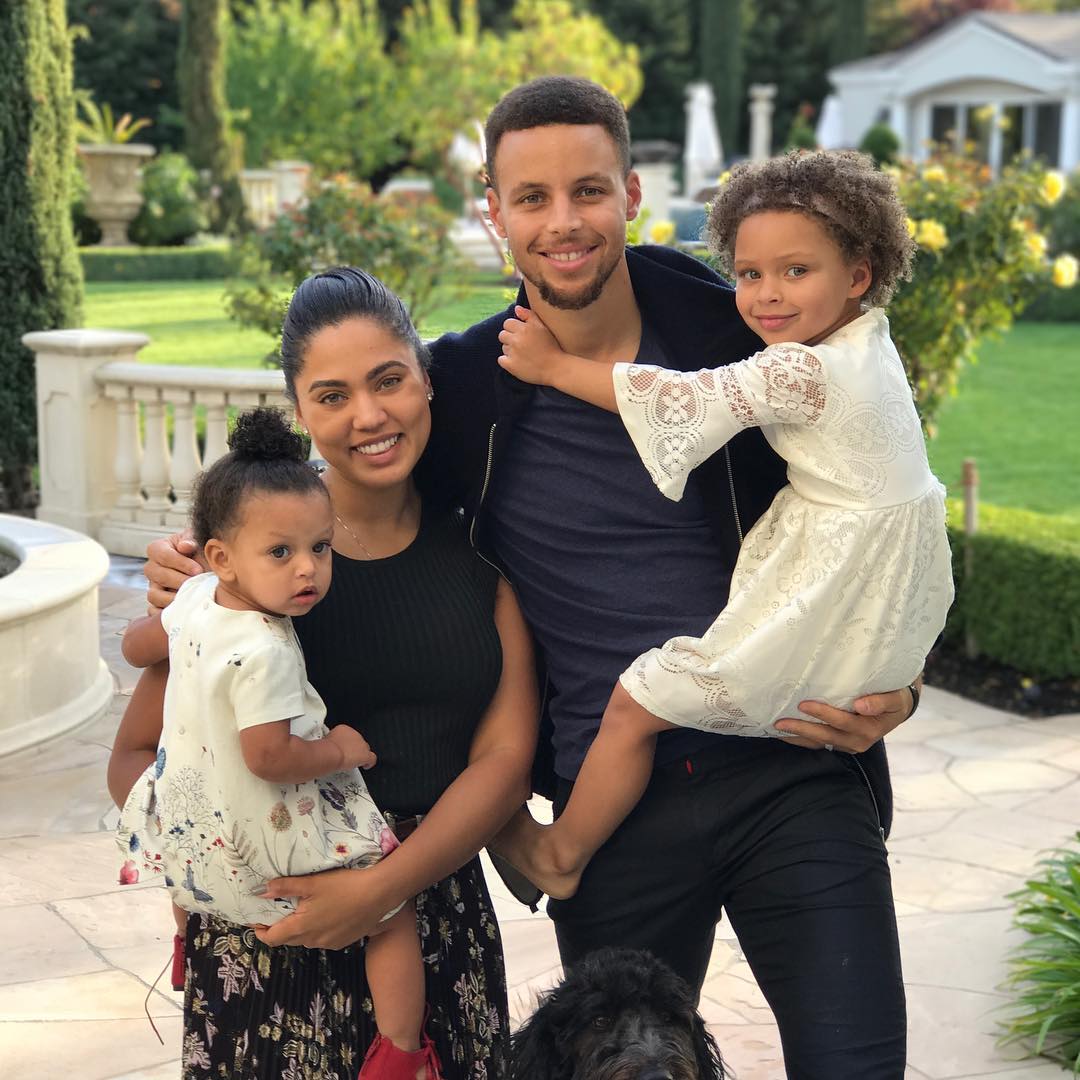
[982, 258]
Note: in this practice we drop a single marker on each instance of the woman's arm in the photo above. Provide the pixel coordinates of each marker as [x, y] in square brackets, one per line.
[339, 907]
[136, 742]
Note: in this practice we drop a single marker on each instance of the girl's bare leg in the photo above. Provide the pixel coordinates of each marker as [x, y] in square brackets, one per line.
[180, 917]
[612, 779]
[395, 973]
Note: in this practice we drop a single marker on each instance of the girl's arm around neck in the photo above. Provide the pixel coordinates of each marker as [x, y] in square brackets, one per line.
[339, 907]
[145, 641]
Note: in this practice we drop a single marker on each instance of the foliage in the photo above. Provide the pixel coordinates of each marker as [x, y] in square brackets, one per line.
[172, 211]
[317, 79]
[408, 246]
[801, 134]
[98, 125]
[848, 38]
[1044, 970]
[881, 143]
[208, 137]
[139, 264]
[125, 53]
[720, 63]
[1021, 600]
[981, 261]
[39, 268]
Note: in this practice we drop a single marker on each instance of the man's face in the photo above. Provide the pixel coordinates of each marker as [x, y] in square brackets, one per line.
[562, 202]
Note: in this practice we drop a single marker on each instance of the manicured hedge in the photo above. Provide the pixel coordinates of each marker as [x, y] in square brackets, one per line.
[1055, 305]
[1022, 601]
[154, 264]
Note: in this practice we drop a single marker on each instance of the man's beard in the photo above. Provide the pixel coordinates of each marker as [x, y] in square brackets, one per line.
[565, 301]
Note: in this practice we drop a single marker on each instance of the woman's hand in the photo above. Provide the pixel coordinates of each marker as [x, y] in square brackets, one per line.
[169, 563]
[874, 717]
[530, 351]
[333, 909]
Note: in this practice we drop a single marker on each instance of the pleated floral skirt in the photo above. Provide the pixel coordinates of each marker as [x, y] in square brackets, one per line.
[256, 1013]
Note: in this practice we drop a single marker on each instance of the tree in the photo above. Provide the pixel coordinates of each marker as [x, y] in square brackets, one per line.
[848, 39]
[40, 273]
[125, 55]
[209, 142]
[720, 63]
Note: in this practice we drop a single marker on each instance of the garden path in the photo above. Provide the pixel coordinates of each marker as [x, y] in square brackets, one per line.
[979, 794]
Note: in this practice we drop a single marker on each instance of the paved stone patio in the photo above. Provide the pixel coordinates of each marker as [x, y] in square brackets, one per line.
[979, 794]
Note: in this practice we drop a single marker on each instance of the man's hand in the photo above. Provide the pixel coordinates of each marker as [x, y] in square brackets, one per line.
[169, 563]
[333, 909]
[874, 717]
[530, 352]
[356, 752]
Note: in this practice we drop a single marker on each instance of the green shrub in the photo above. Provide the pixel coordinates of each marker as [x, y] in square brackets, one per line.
[407, 245]
[1054, 305]
[1022, 602]
[155, 264]
[1044, 970]
[881, 143]
[172, 211]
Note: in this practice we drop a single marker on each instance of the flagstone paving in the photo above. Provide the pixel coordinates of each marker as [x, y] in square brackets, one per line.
[979, 794]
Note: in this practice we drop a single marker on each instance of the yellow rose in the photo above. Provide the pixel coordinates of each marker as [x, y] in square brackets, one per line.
[724, 177]
[1064, 272]
[931, 235]
[662, 232]
[935, 174]
[911, 227]
[1053, 186]
[1036, 244]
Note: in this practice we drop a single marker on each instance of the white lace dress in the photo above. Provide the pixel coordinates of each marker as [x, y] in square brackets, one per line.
[843, 585]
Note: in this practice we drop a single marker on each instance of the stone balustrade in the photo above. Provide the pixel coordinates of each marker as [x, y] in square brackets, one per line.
[118, 445]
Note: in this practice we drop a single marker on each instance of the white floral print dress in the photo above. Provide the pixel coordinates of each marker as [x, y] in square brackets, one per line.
[198, 818]
[843, 585]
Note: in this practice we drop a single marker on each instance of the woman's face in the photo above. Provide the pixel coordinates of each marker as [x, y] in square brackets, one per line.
[364, 397]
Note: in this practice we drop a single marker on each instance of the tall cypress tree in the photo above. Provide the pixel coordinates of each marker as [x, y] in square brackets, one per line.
[720, 63]
[40, 275]
[848, 39]
[208, 139]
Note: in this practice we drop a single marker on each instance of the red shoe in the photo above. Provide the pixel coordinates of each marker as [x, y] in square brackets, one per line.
[384, 1061]
[177, 962]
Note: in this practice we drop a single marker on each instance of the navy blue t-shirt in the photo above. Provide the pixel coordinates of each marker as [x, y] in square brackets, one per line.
[605, 567]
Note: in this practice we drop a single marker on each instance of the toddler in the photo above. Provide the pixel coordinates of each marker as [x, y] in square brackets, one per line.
[843, 585]
[248, 783]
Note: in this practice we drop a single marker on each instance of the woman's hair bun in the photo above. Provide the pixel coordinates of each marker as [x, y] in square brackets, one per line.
[264, 434]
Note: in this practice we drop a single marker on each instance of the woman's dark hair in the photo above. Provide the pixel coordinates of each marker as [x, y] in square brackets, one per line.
[331, 297]
[556, 99]
[265, 455]
[856, 204]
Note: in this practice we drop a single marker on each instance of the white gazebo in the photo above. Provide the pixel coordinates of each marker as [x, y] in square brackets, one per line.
[1007, 82]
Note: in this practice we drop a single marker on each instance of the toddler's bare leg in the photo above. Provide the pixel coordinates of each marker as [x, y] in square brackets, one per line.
[614, 775]
[395, 972]
[180, 917]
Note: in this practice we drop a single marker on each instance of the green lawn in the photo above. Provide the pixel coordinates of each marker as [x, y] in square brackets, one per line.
[187, 324]
[1015, 414]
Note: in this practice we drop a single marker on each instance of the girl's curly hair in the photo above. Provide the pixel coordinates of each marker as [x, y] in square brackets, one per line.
[856, 203]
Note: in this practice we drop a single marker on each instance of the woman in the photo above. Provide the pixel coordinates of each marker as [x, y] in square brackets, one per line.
[406, 648]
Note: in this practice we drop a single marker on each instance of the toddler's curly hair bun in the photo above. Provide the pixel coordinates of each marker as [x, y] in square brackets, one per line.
[265, 456]
[855, 202]
[264, 434]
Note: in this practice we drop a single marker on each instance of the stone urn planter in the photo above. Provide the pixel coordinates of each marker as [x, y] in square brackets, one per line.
[112, 175]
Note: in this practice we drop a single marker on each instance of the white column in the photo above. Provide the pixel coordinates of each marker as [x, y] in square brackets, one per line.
[898, 121]
[1069, 155]
[155, 463]
[128, 461]
[761, 111]
[657, 185]
[77, 423]
[185, 456]
[217, 426]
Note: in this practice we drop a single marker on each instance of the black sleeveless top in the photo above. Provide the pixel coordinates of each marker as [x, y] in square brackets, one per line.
[405, 650]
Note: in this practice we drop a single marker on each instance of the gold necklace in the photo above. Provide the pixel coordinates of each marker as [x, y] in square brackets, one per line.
[359, 542]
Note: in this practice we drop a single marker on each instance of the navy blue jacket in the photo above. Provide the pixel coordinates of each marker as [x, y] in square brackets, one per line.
[692, 311]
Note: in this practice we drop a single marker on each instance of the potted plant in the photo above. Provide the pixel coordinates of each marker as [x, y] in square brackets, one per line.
[111, 162]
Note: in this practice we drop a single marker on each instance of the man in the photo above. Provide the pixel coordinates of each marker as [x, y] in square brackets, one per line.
[788, 841]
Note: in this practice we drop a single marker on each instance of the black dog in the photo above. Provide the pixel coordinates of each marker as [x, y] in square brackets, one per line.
[618, 1015]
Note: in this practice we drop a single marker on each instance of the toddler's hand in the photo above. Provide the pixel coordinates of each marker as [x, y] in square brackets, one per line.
[530, 351]
[354, 747]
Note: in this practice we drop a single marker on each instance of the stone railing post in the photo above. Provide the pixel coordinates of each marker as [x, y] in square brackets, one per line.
[77, 424]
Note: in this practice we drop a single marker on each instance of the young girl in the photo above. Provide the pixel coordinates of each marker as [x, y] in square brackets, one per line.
[844, 584]
[248, 783]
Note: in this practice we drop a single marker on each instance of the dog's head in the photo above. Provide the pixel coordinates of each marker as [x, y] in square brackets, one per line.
[619, 1014]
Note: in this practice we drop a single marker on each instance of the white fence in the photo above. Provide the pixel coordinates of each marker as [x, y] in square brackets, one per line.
[117, 445]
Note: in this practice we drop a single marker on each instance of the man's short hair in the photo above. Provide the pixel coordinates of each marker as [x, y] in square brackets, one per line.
[557, 99]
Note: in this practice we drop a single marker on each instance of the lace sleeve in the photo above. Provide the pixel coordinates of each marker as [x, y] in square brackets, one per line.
[679, 419]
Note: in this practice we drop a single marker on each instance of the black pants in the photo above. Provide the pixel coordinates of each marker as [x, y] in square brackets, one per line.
[787, 842]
